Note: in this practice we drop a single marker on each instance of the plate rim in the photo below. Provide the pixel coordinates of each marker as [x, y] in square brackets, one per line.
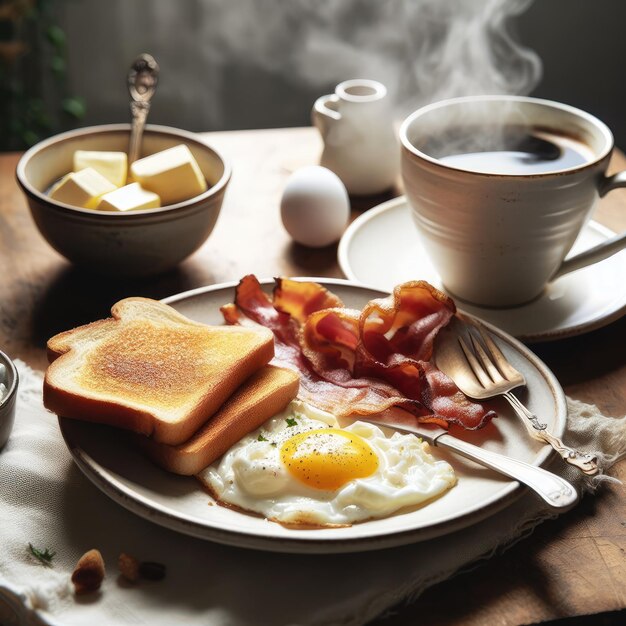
[152, 511]
[594, 323]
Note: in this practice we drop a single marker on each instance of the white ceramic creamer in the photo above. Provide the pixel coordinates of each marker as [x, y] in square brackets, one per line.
[360, 143]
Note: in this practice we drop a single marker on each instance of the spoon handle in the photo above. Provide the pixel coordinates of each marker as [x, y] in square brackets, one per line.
[554, 490]
[139, 111]
[142, 80]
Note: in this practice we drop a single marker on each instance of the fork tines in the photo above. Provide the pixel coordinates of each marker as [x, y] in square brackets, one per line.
[485, 358]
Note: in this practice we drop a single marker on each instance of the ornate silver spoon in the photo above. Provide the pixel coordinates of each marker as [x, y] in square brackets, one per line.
[143, 77]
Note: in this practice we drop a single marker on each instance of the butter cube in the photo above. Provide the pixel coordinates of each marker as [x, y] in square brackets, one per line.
[112, 165]
[129, 198]
[173, 174]
[82, 189]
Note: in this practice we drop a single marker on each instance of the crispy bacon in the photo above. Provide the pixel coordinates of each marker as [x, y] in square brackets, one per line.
[253, 306]
[299, 299]
[360, 362]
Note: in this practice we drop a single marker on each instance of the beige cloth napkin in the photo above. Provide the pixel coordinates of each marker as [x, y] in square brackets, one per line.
[45, 500]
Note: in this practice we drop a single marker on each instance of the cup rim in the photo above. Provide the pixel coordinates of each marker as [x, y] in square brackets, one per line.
[11, 390]
[378, 90]
[30, 190]
[592, 119]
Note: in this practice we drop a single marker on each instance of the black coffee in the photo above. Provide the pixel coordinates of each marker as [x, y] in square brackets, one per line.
[512, 150]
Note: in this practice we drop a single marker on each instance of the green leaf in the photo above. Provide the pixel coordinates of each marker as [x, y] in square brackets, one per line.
[56, 36]
[57, 65]
[291, 421]
[261, 438]
[74, 107]
[45, 556]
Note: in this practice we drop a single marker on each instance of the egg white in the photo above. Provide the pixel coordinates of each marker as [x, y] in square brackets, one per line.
[251, 475]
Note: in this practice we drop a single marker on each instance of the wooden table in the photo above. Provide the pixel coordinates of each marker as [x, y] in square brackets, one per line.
[573, 566]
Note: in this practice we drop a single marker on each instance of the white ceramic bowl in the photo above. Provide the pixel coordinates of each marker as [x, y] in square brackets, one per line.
[132, 244]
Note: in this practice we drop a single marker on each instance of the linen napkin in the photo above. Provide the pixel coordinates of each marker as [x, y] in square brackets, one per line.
[45, 500]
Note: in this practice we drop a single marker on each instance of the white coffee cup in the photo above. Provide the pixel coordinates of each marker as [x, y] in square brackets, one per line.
[498, 229]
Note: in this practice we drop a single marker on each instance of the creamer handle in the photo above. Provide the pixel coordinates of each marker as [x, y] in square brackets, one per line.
[324, 112]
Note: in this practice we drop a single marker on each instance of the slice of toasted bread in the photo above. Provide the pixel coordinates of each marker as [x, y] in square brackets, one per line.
[151, 370]
[263, 395]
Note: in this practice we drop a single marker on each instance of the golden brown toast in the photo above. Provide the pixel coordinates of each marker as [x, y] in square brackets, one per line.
[264, 394]
[151, 370]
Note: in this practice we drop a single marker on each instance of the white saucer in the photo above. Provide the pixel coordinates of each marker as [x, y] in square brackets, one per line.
[381, 249]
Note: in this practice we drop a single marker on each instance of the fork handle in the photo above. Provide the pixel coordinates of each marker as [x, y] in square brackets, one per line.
[586, 463]
[554, 490]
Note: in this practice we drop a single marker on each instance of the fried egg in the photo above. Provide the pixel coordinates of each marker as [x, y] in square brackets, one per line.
[300, 467]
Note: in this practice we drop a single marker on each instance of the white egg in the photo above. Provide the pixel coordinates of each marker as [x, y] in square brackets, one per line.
[315, 207]
[302, 468]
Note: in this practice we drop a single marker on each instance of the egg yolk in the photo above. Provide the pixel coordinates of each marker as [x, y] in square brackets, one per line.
[328, 458]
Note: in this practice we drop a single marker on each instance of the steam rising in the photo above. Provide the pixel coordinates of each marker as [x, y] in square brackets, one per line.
[255, 63]
[422, 50]
[464, 48]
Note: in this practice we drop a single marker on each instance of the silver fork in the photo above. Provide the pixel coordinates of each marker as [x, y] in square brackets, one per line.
[490, 374]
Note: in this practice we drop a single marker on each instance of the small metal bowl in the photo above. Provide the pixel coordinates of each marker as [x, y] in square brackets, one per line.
[7, 403]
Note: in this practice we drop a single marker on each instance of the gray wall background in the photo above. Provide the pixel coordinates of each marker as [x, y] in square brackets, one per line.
[583, 47]
[235, 64]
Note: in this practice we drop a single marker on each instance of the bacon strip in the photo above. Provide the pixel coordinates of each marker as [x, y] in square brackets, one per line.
[253, 306]
[299, 299]
[360, 362]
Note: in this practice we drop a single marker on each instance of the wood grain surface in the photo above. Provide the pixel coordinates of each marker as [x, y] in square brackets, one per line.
[575, 565]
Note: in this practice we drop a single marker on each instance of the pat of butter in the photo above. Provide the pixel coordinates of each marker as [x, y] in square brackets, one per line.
[129, 198]
[173, 174]
[112, 165]
[82, 189]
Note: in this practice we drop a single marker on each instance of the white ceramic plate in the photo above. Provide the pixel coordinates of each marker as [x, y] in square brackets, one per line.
[381, 248]
[113, 464]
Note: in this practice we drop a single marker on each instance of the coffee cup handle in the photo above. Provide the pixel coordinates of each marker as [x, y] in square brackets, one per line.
[605, 249]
